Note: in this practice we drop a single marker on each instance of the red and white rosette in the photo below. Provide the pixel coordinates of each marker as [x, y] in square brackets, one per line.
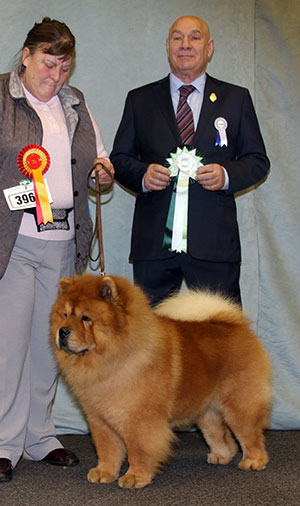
[33, 161]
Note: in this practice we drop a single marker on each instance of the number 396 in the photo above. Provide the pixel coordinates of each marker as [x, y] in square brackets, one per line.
[25, 198]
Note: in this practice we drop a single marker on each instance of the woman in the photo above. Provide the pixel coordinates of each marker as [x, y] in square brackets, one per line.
[40, 116]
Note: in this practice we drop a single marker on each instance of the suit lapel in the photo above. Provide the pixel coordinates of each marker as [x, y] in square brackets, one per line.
[161, 91]
[208, 107]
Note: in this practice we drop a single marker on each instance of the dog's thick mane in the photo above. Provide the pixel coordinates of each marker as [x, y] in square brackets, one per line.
[200, 306]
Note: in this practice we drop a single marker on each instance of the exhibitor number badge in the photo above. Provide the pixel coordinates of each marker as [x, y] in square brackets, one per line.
[22, 196]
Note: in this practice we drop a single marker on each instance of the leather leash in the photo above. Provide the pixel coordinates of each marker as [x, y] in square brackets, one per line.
[99, 190]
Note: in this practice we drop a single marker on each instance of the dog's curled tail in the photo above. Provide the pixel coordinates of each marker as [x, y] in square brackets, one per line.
[195, 305]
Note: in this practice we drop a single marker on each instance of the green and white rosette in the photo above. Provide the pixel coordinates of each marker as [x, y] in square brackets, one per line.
[183, 165]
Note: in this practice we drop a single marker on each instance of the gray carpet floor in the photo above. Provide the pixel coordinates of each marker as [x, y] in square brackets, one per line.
[187, 480]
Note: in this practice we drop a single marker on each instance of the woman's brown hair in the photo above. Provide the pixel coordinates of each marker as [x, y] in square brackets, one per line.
[52, 37]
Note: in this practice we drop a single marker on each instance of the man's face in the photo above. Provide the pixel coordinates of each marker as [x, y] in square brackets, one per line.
[45, 73]
[189, 48]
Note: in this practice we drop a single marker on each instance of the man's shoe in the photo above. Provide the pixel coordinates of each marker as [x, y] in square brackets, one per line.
[5, 470]
[61, 457]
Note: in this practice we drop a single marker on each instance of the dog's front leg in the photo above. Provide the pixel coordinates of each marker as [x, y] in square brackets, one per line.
[148, 446]
[110, 451]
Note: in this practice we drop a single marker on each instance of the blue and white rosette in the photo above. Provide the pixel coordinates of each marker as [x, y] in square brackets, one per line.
[183, 165]
[221, 125]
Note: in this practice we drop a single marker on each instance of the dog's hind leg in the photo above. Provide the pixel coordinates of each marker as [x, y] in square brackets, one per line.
[218, 437]
[111, 453]
[251, 439]
[247, 421]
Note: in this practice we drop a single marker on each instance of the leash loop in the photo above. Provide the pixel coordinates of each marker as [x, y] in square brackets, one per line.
[94, 185]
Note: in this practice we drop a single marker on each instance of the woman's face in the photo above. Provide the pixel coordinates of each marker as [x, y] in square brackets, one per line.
[45, 73]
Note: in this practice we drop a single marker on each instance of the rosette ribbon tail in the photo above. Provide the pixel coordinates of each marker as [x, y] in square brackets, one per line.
[179, 237]
[43, 208]
[167, 240]
[175, 237]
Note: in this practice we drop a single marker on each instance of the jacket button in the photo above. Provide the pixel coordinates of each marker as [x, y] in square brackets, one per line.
[77, 226]
[73, 161]
[76, 193]
[78, 255]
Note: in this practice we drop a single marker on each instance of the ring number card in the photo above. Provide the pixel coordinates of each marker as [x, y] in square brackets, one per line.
[22, 196]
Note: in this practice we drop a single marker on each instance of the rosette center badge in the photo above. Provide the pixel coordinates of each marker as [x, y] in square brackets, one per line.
[185, 160]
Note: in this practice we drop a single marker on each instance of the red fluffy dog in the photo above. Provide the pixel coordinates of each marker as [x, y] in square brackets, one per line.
[139, 372]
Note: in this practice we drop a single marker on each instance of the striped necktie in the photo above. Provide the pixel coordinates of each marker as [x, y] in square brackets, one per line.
[184, 115]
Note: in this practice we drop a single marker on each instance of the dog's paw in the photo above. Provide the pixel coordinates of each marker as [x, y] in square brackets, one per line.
[257, 464]
[95, 475]
[212, 458]
[130, 480]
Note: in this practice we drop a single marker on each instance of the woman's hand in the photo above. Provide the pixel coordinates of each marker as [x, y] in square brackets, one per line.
[103, 177]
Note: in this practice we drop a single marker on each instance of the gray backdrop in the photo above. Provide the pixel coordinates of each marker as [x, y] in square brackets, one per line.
[121, 45]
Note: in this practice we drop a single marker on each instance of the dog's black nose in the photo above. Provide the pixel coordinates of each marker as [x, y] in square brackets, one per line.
[63, 334]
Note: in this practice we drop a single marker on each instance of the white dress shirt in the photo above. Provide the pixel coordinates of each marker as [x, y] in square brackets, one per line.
[194, 99]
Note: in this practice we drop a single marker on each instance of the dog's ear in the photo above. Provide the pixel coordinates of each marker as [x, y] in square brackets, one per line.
[109, 290]
[64, 284]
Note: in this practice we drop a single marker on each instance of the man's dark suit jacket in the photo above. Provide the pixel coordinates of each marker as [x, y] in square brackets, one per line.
[148, 132]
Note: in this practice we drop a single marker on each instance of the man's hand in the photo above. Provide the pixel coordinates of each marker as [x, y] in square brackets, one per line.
[104, 178]
[157, 177]
[211, 176]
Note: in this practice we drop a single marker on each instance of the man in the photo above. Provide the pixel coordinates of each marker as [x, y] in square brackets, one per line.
[230, 156]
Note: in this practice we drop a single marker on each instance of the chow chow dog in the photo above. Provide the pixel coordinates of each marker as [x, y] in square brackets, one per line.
[139, 373]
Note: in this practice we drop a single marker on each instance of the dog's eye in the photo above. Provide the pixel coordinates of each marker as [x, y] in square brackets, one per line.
[85, 318]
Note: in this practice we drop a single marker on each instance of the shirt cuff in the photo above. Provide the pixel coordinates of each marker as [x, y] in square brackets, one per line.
[145, 190]
[226, 184]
